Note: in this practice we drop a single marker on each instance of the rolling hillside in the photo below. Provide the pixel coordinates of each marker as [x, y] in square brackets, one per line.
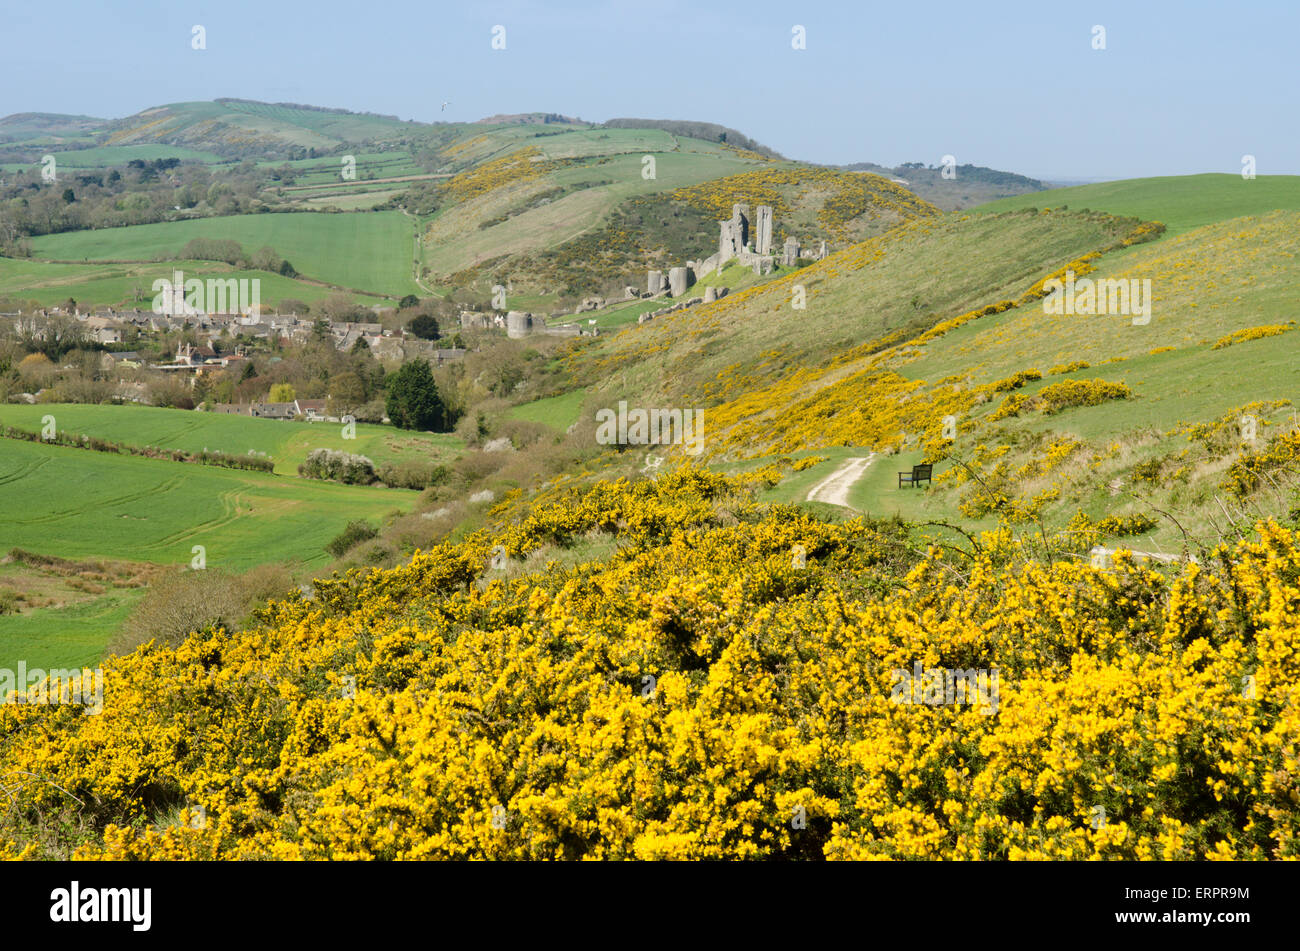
[1181, 202]
[286, 443]
[1055, 415]
[368, 253]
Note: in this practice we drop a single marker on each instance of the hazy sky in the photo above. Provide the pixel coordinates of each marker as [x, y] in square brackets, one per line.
[1181, 87]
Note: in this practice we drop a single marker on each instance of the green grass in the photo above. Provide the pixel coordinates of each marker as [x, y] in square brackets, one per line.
[558, 412]
[105, 156]
[65, 637]
[1181, 202]
[131, 285]
[592, 142]
[75, 503]
[286, 442]
[320, 171]
[364, 251]
[360, 200]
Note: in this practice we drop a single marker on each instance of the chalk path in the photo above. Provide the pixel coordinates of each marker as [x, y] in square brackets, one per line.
[834, 489]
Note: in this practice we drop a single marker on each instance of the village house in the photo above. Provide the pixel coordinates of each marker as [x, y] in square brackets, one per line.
[311, 410]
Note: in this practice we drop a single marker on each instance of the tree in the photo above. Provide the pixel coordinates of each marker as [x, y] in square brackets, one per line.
[413, 400]
[281, 393]
[410, 300]
[425, 327]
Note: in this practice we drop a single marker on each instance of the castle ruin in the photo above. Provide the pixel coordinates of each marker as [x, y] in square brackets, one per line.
[734, 244]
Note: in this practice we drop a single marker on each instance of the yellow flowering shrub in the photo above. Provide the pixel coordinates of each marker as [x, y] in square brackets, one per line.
[1252, 333]
[807, 463]
[721, 685]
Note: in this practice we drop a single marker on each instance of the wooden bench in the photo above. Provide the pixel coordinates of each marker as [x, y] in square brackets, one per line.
[917, 475]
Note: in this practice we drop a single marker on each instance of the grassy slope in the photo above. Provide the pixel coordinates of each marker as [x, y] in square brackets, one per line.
[558, 412]
[1181, 202]
[365, 251]
[65, 637]
[455, 241]
[287, 443]
[117, 284]
[939, 267]
[75, 503]
[1207, 281]
[107, 156]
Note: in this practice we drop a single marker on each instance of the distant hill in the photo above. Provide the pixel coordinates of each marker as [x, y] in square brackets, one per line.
[973, 184]
[529, 118]
[708, 131]
[229, 128]
[24, 126]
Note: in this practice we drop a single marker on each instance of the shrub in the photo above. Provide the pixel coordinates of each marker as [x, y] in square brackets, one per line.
[1149, 471]
[355, 533]
[1058, 396]
[1120, 526]
[1011, 406]
[425, 327]
[807, 463]
[1015, 382]
[412, 474]
[339, 466]
[1245, 475]
[1252, 333]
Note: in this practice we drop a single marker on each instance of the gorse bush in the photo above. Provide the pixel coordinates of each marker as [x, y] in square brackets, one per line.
[693, 691]
[1252, 333]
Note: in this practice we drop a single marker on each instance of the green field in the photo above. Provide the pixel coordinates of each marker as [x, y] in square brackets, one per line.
[105, 156]
[558, 412]
[286, 442]
[1181, 202]
[369, 165]
[131, 285]
[76, 503]
[366, 251]
[79, 504]
[70, 636]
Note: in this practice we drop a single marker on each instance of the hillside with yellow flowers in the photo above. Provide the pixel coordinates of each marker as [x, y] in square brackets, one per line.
[698, 694]
[1080, 642]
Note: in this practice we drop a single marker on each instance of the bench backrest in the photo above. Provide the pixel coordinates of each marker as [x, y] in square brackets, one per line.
[922, 472]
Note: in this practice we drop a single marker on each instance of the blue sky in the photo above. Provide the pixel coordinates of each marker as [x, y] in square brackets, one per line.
[1182, 87]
